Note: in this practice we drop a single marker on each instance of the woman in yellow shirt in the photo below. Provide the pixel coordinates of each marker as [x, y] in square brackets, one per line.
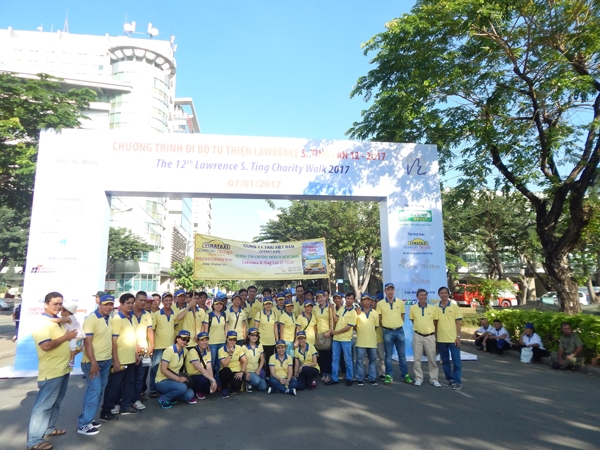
[281, 367]
[233, 362]
[255, 368]
[199, 367]
[266, 321]
[169, 382]
[307, 368]
[217, 330]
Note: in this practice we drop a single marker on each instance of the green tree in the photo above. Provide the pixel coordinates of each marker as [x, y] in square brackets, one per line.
[184, 275]
[512, 90]
[26, 107]
[123, 245]
[351, 230]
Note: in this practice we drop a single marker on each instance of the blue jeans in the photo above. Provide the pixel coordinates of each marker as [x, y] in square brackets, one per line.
[156, 357]
[46, 408]
[391, 339]
[275, 384]
[446, 350]
[214, 352]
[171, 390]
[260, 384]
[141, 373]
[339, 347]
[360, 356]
[201, 383]
[93, 393]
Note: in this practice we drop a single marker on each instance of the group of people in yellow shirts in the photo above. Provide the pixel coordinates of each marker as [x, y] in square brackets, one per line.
[276, 344]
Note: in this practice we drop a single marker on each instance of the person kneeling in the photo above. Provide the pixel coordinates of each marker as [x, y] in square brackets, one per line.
[281, 367]
[233, 362]
[168, 380]
[199, 367]
[307, 369]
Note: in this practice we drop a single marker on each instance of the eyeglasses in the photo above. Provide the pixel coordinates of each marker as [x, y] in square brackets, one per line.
[184, 339]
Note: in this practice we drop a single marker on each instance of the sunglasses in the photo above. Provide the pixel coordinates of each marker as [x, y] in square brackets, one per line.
[232, 339]
[184, 339]
[253, 334]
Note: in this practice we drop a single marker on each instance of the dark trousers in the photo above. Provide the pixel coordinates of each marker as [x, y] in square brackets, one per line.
[141, 373]
[537, 353]
[306, 376]
[497, 346]
[228, 381]
[269, 351]
[325, 361]
[479, 342]
[120, 386]
[201, 383]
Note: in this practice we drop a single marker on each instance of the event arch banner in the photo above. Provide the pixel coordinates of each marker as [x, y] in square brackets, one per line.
[217, 259]
[78, 171]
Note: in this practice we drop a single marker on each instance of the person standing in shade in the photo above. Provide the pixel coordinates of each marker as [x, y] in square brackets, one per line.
[236, 318]
[391, 317]
[142, 322]
[448, 338]
[424, 318]
[307, 367]
[169, 381]
[163, 324]
[266, 322]
[287, 327]
[199, 367]
[342, 341]
[307, 322]
[233, 364]
[367, 322]
[53, 373]
[121, 381]
[281, 369]
[255, 356]
[95, 364]
[324, 313]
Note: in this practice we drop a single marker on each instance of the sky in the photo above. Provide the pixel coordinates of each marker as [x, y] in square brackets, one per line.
[257, 68]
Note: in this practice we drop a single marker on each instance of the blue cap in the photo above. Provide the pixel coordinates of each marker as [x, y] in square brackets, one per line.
[236, 295]
[280, 295]
[179, 292]
[387, 285]
[320, 293]
[366, 295]
[253, 330]
[221, 296]
[301, 334]
[267, 299]
[232, 334]
[380, 296]
[167, 294]
[184, 333]
[107, 299]
[288, 292]
[202, 335]
[288, 302]
[280, 342]
[338, 294]
[529, 325]
[308, 302]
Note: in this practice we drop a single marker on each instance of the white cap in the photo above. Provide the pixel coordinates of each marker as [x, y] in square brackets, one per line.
[71, 307]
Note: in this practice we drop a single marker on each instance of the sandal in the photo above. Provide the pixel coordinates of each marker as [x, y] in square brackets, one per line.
[56, 432]
[41, 446]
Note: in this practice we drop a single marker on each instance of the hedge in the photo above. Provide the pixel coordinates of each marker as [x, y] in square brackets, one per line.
[547, 325]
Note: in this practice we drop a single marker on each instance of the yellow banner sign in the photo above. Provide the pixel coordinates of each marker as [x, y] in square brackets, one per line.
[223, 259]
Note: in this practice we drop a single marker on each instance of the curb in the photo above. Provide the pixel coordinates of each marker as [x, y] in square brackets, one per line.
[586, 368]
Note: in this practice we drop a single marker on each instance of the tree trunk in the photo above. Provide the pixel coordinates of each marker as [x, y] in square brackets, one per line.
[590, 286]
[558, 269]
[496, 258]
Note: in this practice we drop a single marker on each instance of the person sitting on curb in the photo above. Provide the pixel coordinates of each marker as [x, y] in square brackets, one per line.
[570, 349]
[530, 339]
[498, 340]
[481, 333]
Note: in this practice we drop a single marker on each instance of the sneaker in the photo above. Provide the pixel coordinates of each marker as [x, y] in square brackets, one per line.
[130, 412]
[88, 430]
[382, 377]
[164, 403]
[292, 391]
[200, 395]
[143, 398]
[173, 402]
[193, 401]
[349, 382]
[388, 380]
[360, 383]
[312, 386]
[96, 424]
[153, 394]
[485, 349]
[450, 384]
[108, 417]
[116, 410]
[435, 383]
[234, 392]
[408, 379]
[374, 383]
[139, 405]
[224, 393]
[418, 383]
[269, 390]
[71, 365]
[248, 387]
[457, 387]
[331, 382]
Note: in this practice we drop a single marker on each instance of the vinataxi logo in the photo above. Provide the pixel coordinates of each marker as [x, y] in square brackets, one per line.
[418, 243]
[415, 215]
[215, 246]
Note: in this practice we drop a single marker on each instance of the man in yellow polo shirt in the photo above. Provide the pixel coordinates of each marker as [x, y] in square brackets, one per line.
[448, 338]
[163, 323]
[142, 322]
[424, 318]
[342, 341]
[52, 345]
[191, 318]
[367, 322]
[286, 324]
[391, 317]
[96, 362]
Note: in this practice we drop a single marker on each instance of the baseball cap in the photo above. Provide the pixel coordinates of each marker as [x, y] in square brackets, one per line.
[527, 325]
[267, 299]
[301, 334]
[71, 307]
[288, 292]
[366, 295]
[387, 285]
[202, 335]
[232, 334]
[179, 292]
[288, 302]
[167, 294]
[184, 333]
[309, 302]
[236, 295]
[253, 330]
[280, 295]
[99, 294]
[107, 299]
[279, 343]
[338, 294]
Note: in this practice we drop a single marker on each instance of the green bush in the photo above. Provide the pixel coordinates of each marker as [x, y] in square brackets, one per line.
[547, 325]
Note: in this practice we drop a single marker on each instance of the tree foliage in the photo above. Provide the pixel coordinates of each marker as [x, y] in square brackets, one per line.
[26, 107]
[507, 90]
[351, 230]
[123, 245]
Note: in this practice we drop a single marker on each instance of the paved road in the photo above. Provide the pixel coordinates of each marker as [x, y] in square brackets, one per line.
[504, 405]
